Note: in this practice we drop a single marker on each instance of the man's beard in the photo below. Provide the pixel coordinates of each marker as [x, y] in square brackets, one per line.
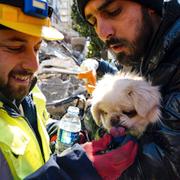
[138, 47]
[13, 92]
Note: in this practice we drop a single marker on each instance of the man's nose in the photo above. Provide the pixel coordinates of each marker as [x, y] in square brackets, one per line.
[104, 29]
[31, 61]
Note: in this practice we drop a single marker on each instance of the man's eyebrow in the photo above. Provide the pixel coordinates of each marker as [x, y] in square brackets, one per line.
[18, 39]
[101, 8]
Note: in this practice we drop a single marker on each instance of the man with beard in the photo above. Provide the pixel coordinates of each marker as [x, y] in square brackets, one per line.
[130, 59]
[24, 142]
[145, 35]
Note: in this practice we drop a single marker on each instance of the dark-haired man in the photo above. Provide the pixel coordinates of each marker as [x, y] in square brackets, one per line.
[145, 35]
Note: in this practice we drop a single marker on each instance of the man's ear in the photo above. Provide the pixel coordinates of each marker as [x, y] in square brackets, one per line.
[96, 113]
[144, 98]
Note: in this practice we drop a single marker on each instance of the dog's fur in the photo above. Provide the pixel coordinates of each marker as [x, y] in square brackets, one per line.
[125, 99]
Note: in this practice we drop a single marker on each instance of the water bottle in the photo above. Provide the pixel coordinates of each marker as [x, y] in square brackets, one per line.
[68, 129]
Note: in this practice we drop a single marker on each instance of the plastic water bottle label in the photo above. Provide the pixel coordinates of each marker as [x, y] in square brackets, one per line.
[67, 137]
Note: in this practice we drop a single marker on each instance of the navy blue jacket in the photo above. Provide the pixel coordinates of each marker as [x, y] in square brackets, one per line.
[73, 164]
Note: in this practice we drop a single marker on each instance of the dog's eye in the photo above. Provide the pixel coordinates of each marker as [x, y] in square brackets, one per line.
[130, 114]
[104, 113]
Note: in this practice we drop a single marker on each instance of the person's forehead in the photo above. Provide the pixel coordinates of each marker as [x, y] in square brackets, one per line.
[94, 5]
[98, 5]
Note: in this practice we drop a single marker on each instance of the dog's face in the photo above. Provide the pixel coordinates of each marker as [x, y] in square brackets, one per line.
[125, 100]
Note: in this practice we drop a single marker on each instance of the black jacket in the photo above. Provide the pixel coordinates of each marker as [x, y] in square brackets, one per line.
[159, 148]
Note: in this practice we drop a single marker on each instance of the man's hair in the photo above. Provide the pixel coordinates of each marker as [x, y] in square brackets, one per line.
[153, 4]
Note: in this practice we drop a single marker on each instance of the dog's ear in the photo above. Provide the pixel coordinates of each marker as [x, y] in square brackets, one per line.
[96, 113]
[144, 98]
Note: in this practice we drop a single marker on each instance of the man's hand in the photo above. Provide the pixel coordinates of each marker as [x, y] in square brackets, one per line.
[111, 164]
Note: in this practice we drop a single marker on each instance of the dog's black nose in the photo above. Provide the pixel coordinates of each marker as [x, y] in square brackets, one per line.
[114, 122]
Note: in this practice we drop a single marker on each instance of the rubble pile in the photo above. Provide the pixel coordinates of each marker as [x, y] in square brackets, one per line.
[57, 77]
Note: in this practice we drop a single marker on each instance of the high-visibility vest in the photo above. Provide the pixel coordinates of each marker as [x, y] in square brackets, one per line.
[18, 142]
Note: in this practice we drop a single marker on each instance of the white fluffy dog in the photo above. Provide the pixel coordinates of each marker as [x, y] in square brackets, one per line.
[127, 100]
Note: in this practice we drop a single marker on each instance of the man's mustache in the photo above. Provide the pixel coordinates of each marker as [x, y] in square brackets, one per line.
[116, 41]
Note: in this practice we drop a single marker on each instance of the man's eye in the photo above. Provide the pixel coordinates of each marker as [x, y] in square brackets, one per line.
[15, 49]
[115, 12]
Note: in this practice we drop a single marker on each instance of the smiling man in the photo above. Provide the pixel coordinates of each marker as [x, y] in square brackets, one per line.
[24, 142]
[18, 63]
[144, 35]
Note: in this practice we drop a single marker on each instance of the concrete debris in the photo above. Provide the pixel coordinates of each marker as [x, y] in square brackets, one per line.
[57, 77]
